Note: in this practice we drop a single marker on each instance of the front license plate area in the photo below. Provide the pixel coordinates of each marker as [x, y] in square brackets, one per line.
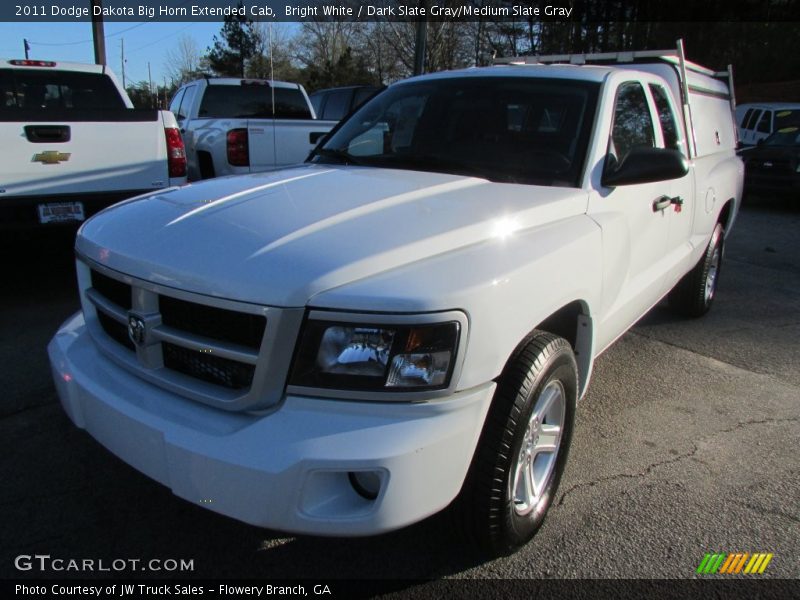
[60, 212]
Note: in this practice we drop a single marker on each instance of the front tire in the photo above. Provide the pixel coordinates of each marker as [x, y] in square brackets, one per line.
[694, 294]
[523, 448]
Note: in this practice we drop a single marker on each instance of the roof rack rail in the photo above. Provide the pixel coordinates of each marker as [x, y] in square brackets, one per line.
[676, 56]
[671, 55]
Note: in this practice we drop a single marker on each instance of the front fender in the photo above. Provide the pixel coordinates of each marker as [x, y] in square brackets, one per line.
[506, 286]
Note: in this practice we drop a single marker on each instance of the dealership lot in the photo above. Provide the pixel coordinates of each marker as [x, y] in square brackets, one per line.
[686, 443]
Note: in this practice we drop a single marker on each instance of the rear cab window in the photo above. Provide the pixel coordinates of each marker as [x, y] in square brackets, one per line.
[253, 101]
[44, 91]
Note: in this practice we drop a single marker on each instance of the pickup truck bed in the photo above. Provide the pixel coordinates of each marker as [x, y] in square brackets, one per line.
[237, 126]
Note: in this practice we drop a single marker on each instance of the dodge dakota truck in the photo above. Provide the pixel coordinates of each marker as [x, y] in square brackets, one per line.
[405, 323]
[74, 144]
[235, 126]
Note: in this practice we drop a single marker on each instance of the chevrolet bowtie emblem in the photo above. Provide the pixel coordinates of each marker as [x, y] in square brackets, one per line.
[51, 157]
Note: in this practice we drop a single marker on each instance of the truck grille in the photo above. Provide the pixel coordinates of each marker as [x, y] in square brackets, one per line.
[116, 291]
[219, 371]
[115, 330]
[208, 344]
[215, 323]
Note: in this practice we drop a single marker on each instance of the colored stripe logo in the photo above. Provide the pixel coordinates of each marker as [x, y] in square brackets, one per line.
[734, 563]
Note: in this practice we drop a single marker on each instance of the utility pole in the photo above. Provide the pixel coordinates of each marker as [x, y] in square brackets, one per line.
[98, 33]
[421, 42]
[150, 78]
[27, 47]
[122, 59]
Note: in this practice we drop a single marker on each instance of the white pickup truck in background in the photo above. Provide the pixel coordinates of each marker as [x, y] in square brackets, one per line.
[236, 126]
[73, 144]
[408, 321]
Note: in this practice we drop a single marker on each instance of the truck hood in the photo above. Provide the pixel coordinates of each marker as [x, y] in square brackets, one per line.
[280, 238]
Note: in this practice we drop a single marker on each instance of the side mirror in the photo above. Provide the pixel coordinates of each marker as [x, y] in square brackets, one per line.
[645, 165]
[760, 142]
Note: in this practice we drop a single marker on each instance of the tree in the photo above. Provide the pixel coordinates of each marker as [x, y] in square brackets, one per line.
[238, 45]
[140, 94]
[184, 62]
[273, 56]
[331, 54]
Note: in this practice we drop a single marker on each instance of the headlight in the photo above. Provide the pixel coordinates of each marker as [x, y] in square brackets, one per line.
[376, 357]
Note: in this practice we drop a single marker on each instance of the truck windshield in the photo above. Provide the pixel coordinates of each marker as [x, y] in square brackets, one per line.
[514, 130]
[788, 136]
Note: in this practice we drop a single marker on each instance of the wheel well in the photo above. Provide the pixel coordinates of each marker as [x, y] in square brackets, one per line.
[725, 215]
[564, 322]
[206, 164]
[573, 323]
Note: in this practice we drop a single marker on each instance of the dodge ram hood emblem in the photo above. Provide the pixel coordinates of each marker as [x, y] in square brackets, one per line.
[51, 157]
[136, 329]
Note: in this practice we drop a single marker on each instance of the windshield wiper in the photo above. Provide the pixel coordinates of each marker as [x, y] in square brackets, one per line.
[343, 155]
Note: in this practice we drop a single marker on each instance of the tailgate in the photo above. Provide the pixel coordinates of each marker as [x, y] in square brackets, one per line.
[296, 139]
[281, 142]
[115, 151]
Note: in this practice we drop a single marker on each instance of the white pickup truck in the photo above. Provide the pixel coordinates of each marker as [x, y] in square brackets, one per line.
[408, 321]
[236, 126]
[74, 144]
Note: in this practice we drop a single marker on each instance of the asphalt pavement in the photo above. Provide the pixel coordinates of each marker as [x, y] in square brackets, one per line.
[687, 443]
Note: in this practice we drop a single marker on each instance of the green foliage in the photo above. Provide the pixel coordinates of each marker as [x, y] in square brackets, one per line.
[347, 70]
[229, 56]
[139, 94]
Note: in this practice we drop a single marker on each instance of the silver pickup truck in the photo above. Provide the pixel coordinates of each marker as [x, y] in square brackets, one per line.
[236, 126]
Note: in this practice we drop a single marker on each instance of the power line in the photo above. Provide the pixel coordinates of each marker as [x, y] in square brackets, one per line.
[162, 39]
[116, 33]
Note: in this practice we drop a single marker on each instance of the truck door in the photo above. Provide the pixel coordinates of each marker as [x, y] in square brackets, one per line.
[680, 212]
[634, 233]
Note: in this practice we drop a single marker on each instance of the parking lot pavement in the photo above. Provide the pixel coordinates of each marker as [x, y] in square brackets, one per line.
[686, 443]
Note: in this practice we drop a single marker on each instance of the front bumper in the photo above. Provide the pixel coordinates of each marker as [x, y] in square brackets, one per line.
[285, 470]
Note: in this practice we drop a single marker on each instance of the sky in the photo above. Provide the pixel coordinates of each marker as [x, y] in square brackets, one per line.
[144, 42]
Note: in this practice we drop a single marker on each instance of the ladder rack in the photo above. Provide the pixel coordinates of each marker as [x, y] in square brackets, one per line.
[676, 56]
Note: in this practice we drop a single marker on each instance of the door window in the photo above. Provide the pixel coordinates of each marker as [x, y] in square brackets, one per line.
[338, 105]
[751, 121]
[186, 102]
[633, 126]
[765, 124]
[175, 105]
